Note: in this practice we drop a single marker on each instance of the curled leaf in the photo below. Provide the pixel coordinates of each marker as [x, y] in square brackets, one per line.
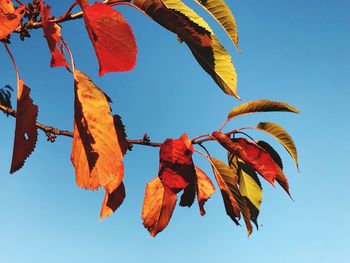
[52, 33]
[96, 153]
[176, 168]
[205, 189]
[158, 206]
[111, 36]
[260, 106]
[222, 13]
[26, 133]
[10, 17]
[112, 201]
[282, 136]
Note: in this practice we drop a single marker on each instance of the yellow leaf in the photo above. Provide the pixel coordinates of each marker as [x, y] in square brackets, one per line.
[222, 13]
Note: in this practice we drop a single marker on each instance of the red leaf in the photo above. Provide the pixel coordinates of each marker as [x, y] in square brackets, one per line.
[9, 17]
[96, 153]
[26, 133]
[52, 33]
[176, 168]
[251, 154]
[158, 206]
[112, 201]
[111, 36]
[205, 189]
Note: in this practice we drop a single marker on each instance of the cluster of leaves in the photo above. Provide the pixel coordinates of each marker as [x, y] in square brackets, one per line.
[99, 138]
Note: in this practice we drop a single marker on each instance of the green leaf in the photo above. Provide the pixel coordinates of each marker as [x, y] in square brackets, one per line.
[260, 106]
[223, 15]
[282, 136]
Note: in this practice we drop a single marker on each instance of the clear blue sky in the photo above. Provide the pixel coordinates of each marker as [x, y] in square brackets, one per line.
[292, 51]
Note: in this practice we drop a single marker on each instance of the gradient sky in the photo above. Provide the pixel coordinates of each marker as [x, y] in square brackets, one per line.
[292, 51]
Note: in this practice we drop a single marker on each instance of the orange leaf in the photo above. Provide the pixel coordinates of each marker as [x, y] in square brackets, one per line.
[251, 154]
[158, 206]
[9, 17]
[112, 201]
[96, 153]
[176, 168]
[205, 189]
[26, 133]
[175, 21]
[111, 36]
[52, 33]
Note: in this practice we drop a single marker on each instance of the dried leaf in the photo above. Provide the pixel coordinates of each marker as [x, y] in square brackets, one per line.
[176, 168]
[95, 137]
[52, 33]
[158, 206]
[222, 13]
[188, 195]
[250, 153]
[112, 201]
[10, 17]
[205, 189]
[227, 179]
[111, 36]
[26, 133]
[282, 136]
[260, 106]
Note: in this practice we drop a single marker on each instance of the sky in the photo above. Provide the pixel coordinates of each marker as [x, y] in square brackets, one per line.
[291, 51]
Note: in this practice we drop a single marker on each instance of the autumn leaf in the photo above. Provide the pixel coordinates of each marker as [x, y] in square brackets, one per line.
[222, 13]
[227, 179]
[176, 168]
[96, 153]
[10, 17]
[189, 194]
[121, 134]
[158, 206]
[111, 36]
[26, 133]
[205, 189]
[260, 106]
[213, 58]
[187, 28]
[280, 177]
[112, 201]
[250, 153]
[282, 136]
[52, 33]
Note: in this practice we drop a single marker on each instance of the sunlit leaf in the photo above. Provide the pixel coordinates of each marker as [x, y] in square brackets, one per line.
[260, 106]
[176, 168]
[96, 153]
[222, 13]
[205, 189]
[10, 17]
[282, 136]
[111, 36]
[158, 206]
[26, 133]
[112, 201]
[52, 33]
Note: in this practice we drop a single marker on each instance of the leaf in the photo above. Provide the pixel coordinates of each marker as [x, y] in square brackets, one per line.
[121, 134]
[282, 136]
[212, 56]
[158, 206]
[112, 201]
[10, 17]
[111, 36]
[52, 33]
[5, 96]
[186, 27]
[227, 179]
[260, 106]
[96, 153]
[250, 153]
[176, 168]
[26, 133]
[188, 195]
[223, 15]
[205, 189]
[280, 177]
